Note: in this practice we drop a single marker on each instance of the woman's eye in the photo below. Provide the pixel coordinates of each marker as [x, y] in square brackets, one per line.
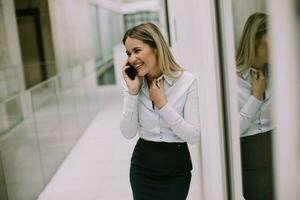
[138, 50]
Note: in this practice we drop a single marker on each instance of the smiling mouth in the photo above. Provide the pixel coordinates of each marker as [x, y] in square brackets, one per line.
[139, 66]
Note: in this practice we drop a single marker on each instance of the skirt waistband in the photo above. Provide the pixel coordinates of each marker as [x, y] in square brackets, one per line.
[161, 144]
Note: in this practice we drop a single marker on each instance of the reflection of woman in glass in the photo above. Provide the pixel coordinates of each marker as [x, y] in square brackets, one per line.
[161, 105]
[254, 106]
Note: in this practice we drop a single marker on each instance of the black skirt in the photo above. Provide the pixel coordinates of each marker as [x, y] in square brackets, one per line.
[257, 167]
[160, 171]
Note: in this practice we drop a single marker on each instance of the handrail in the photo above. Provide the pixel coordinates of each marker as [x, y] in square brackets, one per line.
[41, 83]
[37, 86]
[14, 68]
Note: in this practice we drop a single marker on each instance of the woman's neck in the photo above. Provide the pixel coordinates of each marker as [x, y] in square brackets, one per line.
[152, 75]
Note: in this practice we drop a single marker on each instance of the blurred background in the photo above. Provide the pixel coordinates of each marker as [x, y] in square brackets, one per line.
[61, 94]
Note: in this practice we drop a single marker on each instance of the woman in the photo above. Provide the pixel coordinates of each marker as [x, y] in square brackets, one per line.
[161, 105]
[254, 104]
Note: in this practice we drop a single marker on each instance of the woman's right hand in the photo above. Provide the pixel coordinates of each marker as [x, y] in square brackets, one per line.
[134, 86]
[258, 83]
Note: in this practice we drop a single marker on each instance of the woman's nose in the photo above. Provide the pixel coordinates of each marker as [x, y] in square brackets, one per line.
[132, 59]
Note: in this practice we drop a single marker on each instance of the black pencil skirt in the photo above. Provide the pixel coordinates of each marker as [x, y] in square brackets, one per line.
[257, 166]
[160, 171]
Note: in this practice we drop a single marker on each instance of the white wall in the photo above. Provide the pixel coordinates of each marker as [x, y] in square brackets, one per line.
[193, 36]
[284, 31]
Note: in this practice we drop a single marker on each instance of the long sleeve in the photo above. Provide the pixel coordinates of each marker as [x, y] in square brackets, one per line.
[129, 119]
[248, 112]
[187, 127]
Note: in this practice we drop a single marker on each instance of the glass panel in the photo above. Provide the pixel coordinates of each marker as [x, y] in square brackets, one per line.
[9, 84]
[108, 77]
[106, 23]
[81, 102]
[47, 123]
[13, 111]
[95, 32]
[3, 190]
[92, 91]
[21, 162]
[10, 105]
[117, 23]
[3, 119]
[140, 17]
[67, 112]
[254, 97]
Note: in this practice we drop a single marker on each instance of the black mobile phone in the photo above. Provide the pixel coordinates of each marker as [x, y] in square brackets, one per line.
[131, 72]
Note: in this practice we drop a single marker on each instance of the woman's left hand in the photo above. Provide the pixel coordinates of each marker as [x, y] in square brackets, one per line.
[157, 93]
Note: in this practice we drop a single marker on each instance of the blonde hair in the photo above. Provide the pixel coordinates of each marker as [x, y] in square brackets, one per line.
[150, 34]
[254, 29]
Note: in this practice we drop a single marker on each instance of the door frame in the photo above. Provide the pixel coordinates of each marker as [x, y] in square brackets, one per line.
[34, 12]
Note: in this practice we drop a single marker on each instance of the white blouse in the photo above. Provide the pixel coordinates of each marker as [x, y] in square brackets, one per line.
[255, 115]
[177, 121]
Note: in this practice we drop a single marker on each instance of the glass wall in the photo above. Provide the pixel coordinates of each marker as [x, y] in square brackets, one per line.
[244, 55]
[106, 33]
[40, 125]
[96, 33]
[31, 152]
[254, 98]
[10, 105]
[133, 19]
[105, 18]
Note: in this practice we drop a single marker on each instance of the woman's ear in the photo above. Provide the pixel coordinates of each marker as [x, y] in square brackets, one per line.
[155, 51]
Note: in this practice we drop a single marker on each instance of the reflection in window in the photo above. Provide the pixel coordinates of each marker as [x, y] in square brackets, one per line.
[106, 33]
[254, 97]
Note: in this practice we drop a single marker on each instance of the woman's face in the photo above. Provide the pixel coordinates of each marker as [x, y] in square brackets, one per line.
[262, 46]
[142, 57]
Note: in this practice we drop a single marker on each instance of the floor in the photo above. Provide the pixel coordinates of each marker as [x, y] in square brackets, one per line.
[98, 166]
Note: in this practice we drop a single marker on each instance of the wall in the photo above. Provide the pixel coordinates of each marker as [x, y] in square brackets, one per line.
[193, 33]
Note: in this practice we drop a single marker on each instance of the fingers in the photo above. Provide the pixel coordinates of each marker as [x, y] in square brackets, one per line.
[159, 84]
[257, 75]
[261, 74]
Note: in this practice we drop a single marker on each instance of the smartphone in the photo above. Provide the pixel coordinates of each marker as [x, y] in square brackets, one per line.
[131, 72]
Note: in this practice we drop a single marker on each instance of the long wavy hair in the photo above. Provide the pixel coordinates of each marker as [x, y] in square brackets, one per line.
[254, 29]
[150, 34]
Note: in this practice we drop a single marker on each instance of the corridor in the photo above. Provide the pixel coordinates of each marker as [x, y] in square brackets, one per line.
[61, 95]
[97, 167]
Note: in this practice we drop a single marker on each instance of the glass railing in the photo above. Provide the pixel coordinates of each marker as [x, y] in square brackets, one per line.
[55, 114]
[10, 104]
